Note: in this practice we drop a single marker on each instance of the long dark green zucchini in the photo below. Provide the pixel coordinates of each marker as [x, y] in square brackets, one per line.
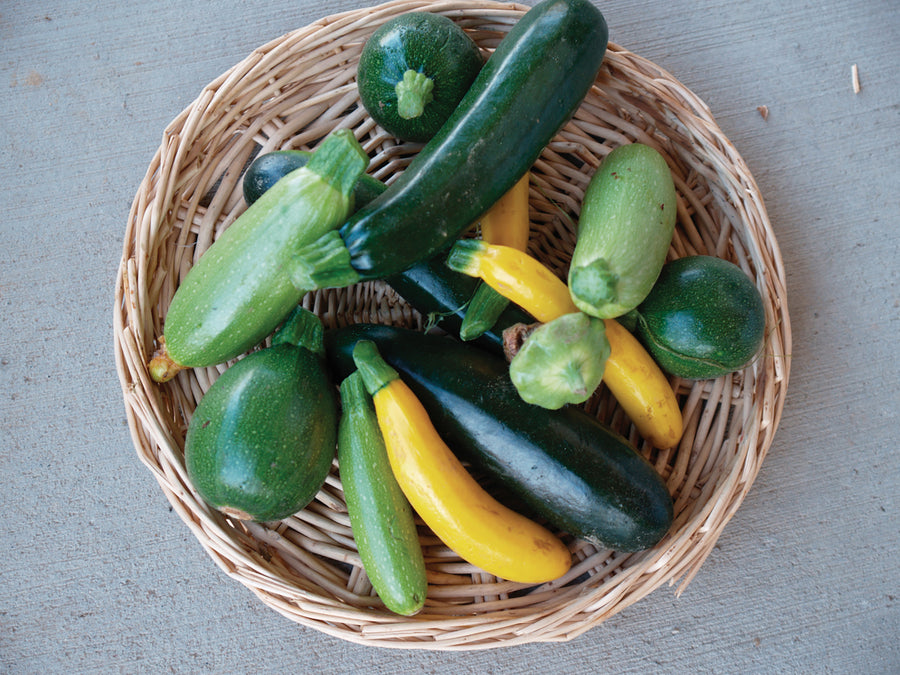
[527, 90]
[564, 465]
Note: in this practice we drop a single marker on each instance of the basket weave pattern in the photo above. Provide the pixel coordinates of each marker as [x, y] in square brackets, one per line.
[292, 92]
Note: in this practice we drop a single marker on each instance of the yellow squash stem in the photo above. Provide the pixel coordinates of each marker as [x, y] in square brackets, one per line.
[632, 376]
[507, 223]
[457, 509]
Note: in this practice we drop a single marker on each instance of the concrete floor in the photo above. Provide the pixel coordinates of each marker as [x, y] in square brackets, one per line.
[100, 575]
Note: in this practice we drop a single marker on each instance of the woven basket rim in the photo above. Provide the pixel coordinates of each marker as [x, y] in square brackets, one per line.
[721, 211]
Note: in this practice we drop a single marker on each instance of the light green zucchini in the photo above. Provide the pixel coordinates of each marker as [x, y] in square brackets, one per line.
[624, 231]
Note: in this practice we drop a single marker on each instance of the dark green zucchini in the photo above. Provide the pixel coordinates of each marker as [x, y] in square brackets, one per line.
[703, 318]
[527, 90]
[441, 294]
[564, 465]
[413, 71]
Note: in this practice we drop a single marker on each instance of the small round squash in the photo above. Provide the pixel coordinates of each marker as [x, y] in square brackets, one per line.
[703, 318]
[413, 72]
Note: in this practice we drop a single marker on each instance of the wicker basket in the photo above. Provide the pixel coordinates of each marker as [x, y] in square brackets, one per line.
[289, 94]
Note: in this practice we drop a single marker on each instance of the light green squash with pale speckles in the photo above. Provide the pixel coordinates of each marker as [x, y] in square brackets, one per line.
[244, 285]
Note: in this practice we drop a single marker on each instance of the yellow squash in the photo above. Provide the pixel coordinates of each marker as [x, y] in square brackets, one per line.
[506, 223]
[631, 374]
[457, 509]
[515, 275]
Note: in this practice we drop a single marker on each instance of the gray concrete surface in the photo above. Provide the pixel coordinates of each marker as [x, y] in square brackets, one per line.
[98, 575]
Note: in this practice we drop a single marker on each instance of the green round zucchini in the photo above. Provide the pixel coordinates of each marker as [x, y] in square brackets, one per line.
[413, 71]
[261, 441]
[703, 318]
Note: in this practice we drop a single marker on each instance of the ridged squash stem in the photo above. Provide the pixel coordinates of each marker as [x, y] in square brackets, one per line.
[506, 223]
[303, 329]
[457, 509]
[631, 374]
[241, 288]
[515, 275]
[413, 94]
[380, 515]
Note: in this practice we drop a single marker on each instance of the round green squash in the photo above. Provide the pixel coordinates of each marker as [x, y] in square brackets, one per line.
[702, 319]
[413, 71]
[261, 441]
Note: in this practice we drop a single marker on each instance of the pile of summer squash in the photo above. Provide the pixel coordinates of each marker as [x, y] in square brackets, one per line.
[405, 410]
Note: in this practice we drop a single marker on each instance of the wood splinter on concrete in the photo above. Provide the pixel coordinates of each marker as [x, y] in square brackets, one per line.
[854, 72]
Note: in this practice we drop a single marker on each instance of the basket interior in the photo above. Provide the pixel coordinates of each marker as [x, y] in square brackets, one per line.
[291, 93]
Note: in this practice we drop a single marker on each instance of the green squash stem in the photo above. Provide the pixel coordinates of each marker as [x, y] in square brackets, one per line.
[325, 263]
[595, 283]
[483, 311]
[413, 94]
[374, 370]
[302, 329]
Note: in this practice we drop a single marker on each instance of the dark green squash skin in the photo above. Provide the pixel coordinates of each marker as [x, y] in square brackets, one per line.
[564, 465]
[441, 295]
[263, 437]
[702, 319]
[268, 168]
[527, 90]
[427, 43]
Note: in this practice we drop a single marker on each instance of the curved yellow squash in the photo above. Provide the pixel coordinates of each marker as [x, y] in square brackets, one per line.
[633, 377]
[457, 509]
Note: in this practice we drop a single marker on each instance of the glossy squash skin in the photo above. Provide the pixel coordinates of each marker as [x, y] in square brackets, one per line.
[563, 464]
[441, 295]
[413, 71]
[467, 518]
[703, 318]
[268, 168]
